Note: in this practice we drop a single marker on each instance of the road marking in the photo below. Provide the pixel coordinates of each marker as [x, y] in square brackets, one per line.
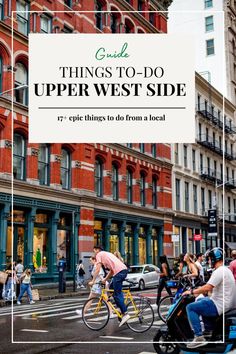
[35, 312]
[113, 337]
[147, 353]
[57, 314]
[34, 330]
[29, 318]
[71, 317]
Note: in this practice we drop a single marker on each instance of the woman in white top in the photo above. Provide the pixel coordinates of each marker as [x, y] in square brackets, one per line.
[25, 286]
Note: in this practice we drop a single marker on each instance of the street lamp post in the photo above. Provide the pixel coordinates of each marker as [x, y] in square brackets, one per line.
[14, 88]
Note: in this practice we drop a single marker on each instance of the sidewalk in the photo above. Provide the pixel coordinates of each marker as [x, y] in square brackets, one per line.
[50, 291]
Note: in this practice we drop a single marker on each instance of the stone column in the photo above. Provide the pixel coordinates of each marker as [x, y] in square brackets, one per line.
[149, 244]
[29, 234]
[53, 260]
[122, 239]
[135, 244]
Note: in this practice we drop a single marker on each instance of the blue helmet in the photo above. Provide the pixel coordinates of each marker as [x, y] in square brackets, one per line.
[216, 254]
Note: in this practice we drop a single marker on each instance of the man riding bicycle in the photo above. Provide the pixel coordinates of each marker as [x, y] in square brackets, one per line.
[119, 271]
[222, 286]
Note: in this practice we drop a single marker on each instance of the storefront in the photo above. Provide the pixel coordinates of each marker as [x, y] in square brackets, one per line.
[139, 240]
[39, 233]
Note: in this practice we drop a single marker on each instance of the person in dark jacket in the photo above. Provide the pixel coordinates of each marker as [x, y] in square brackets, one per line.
[164, 276]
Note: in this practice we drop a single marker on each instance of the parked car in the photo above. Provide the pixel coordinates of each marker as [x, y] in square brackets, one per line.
[145, 275]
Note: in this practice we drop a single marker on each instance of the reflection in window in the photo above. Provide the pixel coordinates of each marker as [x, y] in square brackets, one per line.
[22, 16]
[43, 164]
[21, 81]
[40, 249]
[98, 178]
[65, 169]
[19, 152]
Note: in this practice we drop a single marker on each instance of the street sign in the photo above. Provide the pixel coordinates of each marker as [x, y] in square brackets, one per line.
[197, 237]
[212, 222]
[175, 238]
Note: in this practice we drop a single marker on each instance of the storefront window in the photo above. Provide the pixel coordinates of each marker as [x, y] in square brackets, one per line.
[128, 246]
[40, 250]
[63, 239]
[114, 243]
[191, 243]
[9, 245]
[176, 244]
[17, 216]
[154, 245]
[142, 249]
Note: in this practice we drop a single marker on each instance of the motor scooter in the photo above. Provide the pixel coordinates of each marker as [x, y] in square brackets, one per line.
[172, 337]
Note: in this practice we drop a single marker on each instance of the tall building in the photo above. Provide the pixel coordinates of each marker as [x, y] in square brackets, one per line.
[212, 25]
[199, 175]
[68, 197]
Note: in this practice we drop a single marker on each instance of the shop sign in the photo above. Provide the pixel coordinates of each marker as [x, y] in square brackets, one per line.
[212, 222]
[197, 237]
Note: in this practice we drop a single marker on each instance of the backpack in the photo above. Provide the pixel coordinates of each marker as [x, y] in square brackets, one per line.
[81, 271]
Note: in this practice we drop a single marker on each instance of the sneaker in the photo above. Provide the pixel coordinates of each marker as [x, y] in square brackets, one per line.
[197, 342]
[125, 318]
[32, 302]
[18, 303]
[79, 312]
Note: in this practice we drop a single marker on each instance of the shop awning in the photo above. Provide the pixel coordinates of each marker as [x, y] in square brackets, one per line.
[231, 245]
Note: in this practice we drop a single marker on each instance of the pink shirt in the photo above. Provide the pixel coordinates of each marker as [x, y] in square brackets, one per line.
[110, 261]
[232, 267]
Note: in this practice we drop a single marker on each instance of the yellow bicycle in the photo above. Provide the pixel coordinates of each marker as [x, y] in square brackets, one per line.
[96, 311]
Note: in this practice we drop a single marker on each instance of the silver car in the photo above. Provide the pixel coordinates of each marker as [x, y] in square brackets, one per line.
[145, 275]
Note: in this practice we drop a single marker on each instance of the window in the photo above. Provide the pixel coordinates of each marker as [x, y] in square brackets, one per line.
[68, 3]
[22, 16]
[221, 172]
[140, 5]
[200, 130]
[220, 142]
[194, 159]
[99, 178]
[198, 102]
[195, 199]
[43, 165]
[215, 168]
[129, 185]
[65, 169]
[1, 72]
[67, 30]
[154, 192]
[207, 134]
[45, 24]
[214, 138]
[185, 156]
[152, 17]
[113, 23]
[21, 81]
[208, 166]
[98, 15]
[115, 182]
[203, 200]
[177, 193]
[176, 153]
[210, 47]
[234, 209]
[208, 3]
[209, 199]
[129, 145]
[186, 196]
[209, 24]
[19, 157]
[142, 147]
[1, 10]
[154, 150]
[201, 163]
[233, 178]
[142, 190]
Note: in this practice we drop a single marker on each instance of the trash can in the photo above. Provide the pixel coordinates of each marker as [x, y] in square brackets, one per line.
[62, 276]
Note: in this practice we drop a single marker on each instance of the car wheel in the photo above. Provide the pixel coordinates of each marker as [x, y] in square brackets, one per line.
[141, 284]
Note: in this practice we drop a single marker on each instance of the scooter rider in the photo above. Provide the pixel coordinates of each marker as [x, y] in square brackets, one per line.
[222, 286]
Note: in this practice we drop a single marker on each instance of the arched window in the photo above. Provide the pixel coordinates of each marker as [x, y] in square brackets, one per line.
[129, 186]
[98, 178]
[129, 26]
[65, 169]
[19, 157]
[115, 182]
[21, 81]
[154, 192]
[1, 72]
[142, 189]
[43, 164]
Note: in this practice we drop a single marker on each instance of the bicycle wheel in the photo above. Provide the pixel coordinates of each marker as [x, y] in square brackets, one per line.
[95, 313]
[164, 306]
[141, 313]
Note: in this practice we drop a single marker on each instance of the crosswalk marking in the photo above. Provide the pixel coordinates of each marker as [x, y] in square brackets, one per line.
[114, 337]
[34, 330]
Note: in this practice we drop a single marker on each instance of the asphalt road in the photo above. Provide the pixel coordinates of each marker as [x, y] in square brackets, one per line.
[54, 327]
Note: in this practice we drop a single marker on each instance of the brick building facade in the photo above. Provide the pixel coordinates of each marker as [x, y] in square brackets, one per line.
[68, 197]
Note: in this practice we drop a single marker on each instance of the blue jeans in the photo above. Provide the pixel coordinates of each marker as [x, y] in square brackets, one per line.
[116, 284]
[205, 308]
[25, 288]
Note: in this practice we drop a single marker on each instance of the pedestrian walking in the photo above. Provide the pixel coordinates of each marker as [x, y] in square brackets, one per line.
[80, 275]
[232, 265]
[10, 293]
[164, 276]
[25, 286]
[199, 266]
[19, 271]
[96, 287]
